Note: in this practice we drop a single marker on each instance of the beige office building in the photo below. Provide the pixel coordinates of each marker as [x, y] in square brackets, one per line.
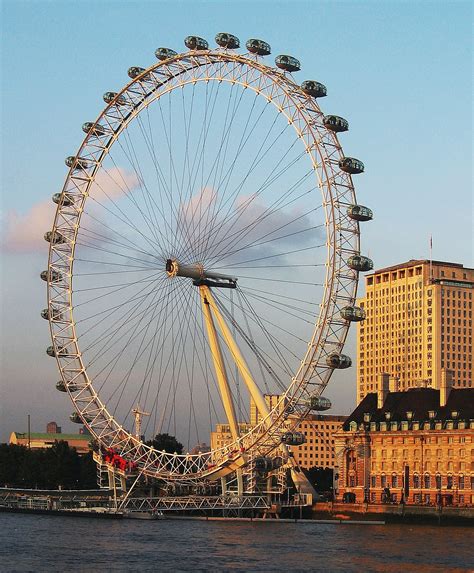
[419, 321]
[318, 429]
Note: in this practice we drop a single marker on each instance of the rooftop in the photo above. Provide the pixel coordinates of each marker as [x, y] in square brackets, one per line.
[417, 262]
[52, 437]
[420, 401]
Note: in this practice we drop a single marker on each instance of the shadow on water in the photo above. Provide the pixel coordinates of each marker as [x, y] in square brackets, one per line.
[44, 543]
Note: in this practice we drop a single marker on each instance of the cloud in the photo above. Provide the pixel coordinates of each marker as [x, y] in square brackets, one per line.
[113, 183]
[23, 232]
[248, 228]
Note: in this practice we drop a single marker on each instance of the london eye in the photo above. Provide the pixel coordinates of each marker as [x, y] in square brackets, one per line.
[204, 256]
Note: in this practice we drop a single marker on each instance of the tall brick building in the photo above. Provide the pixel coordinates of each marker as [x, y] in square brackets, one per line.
[415, 446]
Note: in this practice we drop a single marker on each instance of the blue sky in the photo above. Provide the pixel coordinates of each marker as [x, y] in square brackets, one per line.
[400, 72]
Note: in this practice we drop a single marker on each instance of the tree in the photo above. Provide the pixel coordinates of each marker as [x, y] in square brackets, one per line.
[167, 443]
[46, 468]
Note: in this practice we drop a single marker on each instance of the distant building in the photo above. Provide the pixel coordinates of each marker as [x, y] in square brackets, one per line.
[53, 434]
[222, 436]
[200, 448]
[53, 428]
[318, 429]
[418, 321]
[318, 450]
[415, 446]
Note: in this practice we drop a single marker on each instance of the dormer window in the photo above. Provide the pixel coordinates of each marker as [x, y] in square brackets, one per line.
[454, 414]
[432, 414]
[367, 417]
[388, 415]
[409, 415]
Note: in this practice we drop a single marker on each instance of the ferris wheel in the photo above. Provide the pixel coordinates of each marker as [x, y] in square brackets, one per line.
[204, 260]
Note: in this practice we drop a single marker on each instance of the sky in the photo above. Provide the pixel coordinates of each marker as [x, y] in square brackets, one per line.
[400, 72]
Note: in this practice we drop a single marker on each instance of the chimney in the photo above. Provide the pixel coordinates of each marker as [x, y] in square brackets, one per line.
[445, 386]
[393, 384]
[383, 387]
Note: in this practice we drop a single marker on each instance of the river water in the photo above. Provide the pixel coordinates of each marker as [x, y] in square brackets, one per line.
[69, 544]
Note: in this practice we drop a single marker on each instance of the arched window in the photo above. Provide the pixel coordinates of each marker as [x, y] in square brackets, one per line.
[461, 482]
[449, 482]
[394, 480]
[416, 481]
[438, 481]
[427, 481]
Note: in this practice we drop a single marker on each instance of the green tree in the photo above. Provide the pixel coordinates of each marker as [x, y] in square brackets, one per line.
[47, 468]
[167, 443]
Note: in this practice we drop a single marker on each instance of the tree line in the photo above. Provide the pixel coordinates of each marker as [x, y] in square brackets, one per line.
[49, 468]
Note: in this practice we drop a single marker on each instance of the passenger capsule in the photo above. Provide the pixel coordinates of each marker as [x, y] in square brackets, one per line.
[64, 199]
[196, 43]
[74, 417]
[135, 71]
[258, 47]
[55, 238]
[339, 361]
[229, 41]
[353, 313]
[277, 462]
[51, 352]
[53, 313]
[62, 387]
[287, 63]
[360, 263]
[335, 123]
[94, 128]
[53, 276]
[314, 89]
[268, 464]
[164, 53]
[351, 165]
[319, 403]
[293, 438]
[359, 213]
[76, 162]
[113, 97]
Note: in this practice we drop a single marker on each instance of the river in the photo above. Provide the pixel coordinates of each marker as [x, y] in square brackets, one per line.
[67, 544]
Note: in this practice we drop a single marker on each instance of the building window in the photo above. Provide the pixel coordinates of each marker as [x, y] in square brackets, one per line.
[394, 480]
[438, 481]
[416, 481]
[383, 480]
[461, 482]
[427, 481]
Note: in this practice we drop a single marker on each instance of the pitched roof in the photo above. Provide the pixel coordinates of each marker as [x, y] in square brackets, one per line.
[420, 401]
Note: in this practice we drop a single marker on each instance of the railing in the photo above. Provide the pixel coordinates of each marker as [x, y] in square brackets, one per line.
[195, 503]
